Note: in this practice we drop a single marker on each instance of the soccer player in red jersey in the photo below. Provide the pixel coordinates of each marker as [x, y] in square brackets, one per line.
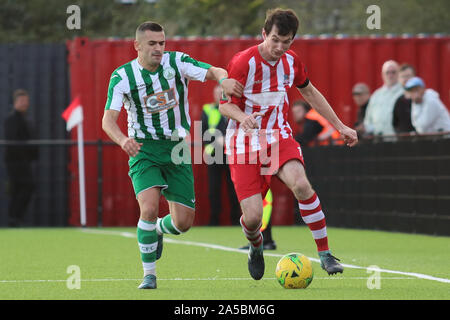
[258, 130]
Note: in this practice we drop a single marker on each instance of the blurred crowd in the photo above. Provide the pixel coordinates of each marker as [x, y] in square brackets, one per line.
[402, 105]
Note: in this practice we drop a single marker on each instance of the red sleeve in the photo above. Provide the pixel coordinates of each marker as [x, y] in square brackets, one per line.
[301, 76]
[238, 70]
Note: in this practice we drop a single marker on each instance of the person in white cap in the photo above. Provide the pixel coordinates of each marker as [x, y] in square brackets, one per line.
[428, 113]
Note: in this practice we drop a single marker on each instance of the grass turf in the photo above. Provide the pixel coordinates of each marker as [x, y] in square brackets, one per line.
[34, 265]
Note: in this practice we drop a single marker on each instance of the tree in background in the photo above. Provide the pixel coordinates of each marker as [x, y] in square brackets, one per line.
[45, 20]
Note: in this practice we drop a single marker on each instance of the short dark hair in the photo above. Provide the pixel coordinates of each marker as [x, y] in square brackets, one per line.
[285, 19]
[406, 66]
[150, 26]
[302, 103]
[19, 93]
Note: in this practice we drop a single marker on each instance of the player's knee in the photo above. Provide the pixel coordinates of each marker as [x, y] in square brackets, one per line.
[183, 226]
[149, 212]
[252, 222]
[301, 188]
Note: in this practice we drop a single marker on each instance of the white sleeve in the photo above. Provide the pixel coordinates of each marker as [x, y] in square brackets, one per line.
[115, 93]
[193, 69]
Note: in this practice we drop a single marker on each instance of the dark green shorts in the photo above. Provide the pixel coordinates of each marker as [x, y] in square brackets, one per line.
[155, 167]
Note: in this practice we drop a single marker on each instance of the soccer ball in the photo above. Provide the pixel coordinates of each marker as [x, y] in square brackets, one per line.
[294, 271]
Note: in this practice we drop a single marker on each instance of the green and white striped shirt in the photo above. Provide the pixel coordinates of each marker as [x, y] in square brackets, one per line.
[156, 102]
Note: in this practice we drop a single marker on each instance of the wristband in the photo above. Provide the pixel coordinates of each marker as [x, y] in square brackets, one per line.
[221, 80]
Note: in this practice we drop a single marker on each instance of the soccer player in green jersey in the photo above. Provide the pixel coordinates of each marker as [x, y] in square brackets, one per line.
[154, 90]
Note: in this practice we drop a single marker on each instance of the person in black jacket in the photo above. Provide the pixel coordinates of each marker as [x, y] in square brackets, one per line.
[401, 119]
[216, 124]
[311, 128]
[361, 97]
[18, 158]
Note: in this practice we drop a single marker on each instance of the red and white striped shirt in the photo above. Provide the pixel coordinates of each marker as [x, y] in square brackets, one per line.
[266, 89]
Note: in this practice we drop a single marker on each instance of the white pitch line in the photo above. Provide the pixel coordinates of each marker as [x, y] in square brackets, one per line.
[196, 279]
[223, 248]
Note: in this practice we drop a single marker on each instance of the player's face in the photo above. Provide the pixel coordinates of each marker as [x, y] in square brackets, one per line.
[150, 46]
[275, 44]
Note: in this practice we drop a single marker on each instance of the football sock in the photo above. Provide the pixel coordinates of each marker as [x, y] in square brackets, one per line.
[312, 214]
[166, 225]
[148, 242]
[253, 236]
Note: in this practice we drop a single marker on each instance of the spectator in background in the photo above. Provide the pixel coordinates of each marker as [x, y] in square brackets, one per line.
[316, 129]
[378, 119]
[402, 108]
[216, 124]
[18, 159]
[428, 113]
[361, 97]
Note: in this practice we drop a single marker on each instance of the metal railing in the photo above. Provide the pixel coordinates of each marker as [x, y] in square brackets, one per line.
[379, 178]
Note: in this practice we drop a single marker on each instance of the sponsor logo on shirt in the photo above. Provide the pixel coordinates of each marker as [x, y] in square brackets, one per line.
[160, 101]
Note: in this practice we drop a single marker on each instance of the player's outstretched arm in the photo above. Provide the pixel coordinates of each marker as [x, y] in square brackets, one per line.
[109, 125]
[318, 102]
[230, 87]
[247, 121]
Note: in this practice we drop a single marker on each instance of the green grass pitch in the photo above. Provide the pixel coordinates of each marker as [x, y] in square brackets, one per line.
[203, 264]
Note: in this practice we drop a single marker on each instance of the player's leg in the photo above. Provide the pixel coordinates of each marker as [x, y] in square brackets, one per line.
[148, 183]
[251, 221]
[266, 225]
[182, 218]
[235, 210]
[181, 197]
[146, 234]
[293, 174]
[249, 186]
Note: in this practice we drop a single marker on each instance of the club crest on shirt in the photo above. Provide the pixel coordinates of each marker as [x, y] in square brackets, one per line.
[286, 80]
[169, 73]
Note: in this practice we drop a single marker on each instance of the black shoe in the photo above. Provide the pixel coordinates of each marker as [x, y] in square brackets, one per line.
[270, 245]
[330, 263]
[256, 263]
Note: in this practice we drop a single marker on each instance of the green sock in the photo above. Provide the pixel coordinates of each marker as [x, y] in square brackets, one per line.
[166, 225]
[148, 242]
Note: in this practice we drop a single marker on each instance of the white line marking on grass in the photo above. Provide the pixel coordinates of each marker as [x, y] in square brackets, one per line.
[195, 279]
[223, 248]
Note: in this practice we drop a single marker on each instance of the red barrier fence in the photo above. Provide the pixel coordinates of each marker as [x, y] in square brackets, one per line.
[334, 66]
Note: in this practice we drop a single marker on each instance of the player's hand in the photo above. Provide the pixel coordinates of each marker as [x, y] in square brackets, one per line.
[232, 87]
[131, 146]
[349, 135]
[249, 122]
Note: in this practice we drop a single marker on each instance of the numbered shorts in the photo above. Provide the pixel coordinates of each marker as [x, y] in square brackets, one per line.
[248, 179]
[154, 167]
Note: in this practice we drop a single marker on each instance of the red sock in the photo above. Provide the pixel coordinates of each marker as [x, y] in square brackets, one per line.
[312, 215]
[254, 236]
